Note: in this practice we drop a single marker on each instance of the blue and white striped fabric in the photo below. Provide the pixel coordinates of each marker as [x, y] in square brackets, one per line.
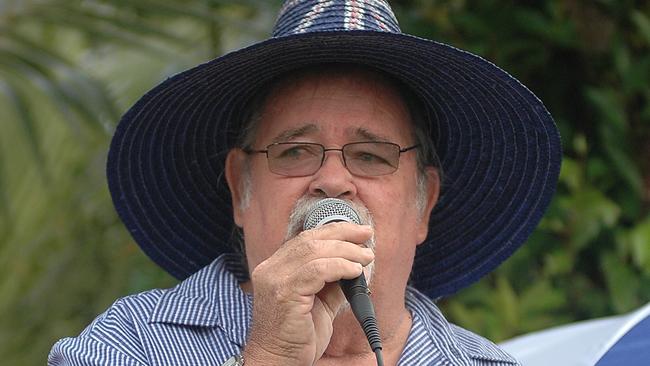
[204, 321]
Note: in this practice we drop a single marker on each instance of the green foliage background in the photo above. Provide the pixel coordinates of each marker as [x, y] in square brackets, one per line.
[69, 69]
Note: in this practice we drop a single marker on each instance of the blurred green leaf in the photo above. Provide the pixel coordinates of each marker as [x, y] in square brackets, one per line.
[98, 31]
[621, 160]
[571, 174]
[28, 123]
[558, 262]
[100, 19]
[588, 212]
[561, 34]
[622, 282]
[580, 145]
[539, 304]
[87, 98]
[608, 104]
[642, 22]
[506, 300]
[5, 208]
[541, 298]
[637, 242]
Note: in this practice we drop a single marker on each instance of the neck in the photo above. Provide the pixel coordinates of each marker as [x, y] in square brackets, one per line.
[349, 345]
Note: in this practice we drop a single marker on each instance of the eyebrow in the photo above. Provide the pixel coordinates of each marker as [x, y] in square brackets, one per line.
[292, 133]
[369, 136]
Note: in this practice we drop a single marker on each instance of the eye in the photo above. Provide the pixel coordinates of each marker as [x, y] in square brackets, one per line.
[297, 152]
[369, 158]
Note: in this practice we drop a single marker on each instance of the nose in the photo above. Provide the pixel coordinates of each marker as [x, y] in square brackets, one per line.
[333, 179]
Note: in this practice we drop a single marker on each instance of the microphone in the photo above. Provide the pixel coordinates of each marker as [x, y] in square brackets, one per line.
[330, 210]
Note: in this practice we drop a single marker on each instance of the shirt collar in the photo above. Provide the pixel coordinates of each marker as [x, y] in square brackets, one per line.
[445, 343]
[209, 298]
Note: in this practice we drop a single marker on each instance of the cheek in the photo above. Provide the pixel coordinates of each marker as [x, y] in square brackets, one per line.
[392, 202]
[395, 216]
[265, 219]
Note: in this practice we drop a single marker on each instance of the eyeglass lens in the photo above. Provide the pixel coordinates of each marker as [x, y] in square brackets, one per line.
[361, 158]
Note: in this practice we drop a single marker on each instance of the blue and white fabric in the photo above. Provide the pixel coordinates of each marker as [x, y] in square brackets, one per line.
[204, 321]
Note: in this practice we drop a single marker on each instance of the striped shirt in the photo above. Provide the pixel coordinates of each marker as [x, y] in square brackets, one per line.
[204, 321]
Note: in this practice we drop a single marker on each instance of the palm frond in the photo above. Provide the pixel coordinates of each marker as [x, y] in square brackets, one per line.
[27, 121]
[47, 74]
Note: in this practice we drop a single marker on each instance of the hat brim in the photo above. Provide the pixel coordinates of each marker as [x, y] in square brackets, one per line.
[498, 145]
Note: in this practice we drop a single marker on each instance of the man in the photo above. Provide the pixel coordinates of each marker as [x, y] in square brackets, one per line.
[339, 104]
[332, 108]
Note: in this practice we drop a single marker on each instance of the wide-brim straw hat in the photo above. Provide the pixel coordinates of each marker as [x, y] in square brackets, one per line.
[498, 145]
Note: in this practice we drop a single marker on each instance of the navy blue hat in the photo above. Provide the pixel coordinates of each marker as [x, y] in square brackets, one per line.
[499, 148]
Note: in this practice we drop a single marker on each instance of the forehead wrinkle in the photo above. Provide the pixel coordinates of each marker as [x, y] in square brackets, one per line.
[291, 133]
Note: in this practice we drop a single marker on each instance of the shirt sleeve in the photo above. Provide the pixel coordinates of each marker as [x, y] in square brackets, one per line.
[88, 351]
[111, 339]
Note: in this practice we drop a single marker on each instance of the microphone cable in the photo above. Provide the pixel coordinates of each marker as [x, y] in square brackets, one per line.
[357, 294]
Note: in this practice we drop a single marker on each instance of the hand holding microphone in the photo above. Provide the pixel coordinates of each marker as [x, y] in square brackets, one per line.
[296, 295]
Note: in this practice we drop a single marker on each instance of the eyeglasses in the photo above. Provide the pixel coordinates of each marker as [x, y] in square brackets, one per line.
[299, 159]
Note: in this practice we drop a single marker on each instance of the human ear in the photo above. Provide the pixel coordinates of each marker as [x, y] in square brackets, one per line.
[236, 170]
[433, 191]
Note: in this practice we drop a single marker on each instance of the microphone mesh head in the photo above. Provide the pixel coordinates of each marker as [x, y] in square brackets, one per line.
[330, 210]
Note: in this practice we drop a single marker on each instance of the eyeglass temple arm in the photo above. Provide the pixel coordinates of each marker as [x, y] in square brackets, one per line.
[251, 151]
[409, 148]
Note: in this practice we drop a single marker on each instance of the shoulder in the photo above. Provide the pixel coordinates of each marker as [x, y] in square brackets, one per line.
[456, 343]
[126, 314]
[166, 325]
[113, 335]
[481, 349]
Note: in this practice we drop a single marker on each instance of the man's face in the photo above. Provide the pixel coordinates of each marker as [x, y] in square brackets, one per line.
[334, 110]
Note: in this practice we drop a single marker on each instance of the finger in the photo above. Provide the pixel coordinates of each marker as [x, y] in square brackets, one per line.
[305, 251]
[331, 297]
[327, 304]
[314, 244]
[310, 278]
[341, 231]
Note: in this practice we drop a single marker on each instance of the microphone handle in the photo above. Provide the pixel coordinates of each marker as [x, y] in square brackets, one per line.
[357, 294]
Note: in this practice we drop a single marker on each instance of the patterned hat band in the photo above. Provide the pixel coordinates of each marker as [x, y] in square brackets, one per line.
[301, 16]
